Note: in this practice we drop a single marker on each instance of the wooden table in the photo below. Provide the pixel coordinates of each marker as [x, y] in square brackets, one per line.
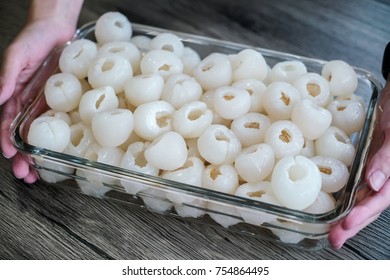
[41, 222]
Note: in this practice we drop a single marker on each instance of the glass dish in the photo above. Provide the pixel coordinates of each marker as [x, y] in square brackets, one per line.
[270, 222]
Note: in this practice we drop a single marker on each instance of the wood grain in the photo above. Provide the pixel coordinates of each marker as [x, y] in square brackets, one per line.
[39, 221]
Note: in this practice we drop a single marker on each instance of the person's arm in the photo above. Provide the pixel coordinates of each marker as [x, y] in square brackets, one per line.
[49, 23]
[63, 11]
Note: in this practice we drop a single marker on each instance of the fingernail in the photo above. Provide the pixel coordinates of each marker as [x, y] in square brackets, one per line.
[377, 180]
[6, 156]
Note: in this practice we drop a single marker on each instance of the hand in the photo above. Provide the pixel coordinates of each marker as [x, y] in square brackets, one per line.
[20, 60]
[375, 197]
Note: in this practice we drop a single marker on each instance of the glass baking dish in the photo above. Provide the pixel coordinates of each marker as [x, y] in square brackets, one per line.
[270, 222]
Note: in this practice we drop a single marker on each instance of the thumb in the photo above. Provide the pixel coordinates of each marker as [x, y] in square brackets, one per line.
[9, 73]
[378, 168]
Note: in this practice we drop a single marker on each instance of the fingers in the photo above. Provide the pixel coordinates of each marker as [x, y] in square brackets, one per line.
[370, 206]
[7, 117]
[22, 170]
[339, 235]
[9, 72]
[378, 168]
[365, 212]
[31, 177]
[20, 166]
